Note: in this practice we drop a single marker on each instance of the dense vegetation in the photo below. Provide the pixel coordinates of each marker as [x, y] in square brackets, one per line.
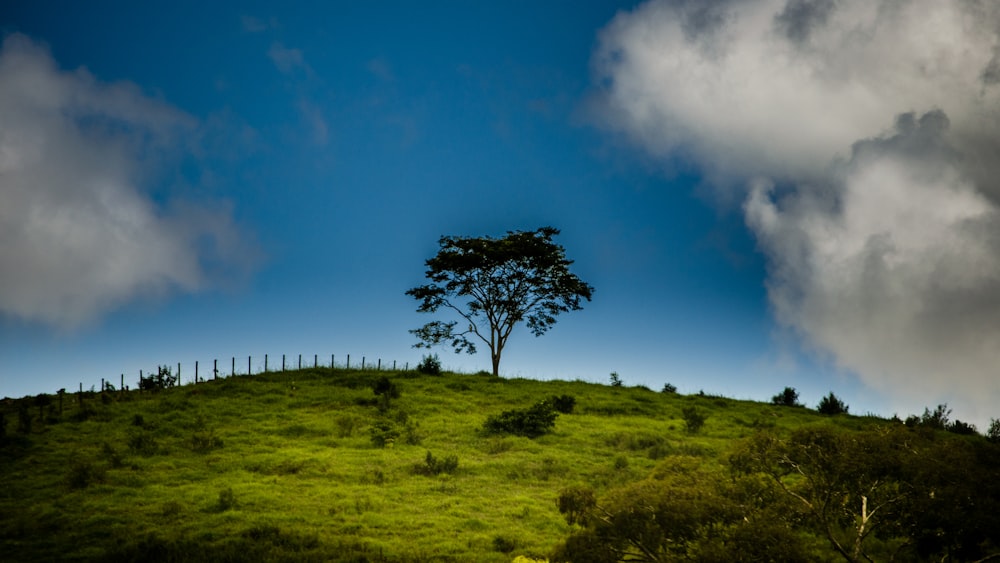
[338, 465]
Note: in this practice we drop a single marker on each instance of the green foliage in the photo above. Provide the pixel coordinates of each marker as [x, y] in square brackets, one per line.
[430, 365]
[308, 484]
[831, 405]
[83, 473]
[523, 276]
[615, 380]
[576, 504]
[504, 544]
[384, 433]
[226, 500]
[993, 433]
[563, 403]
[669, 388]
[787, 398]
[694, 419]
[938, 419]
[163, 379]
[530, 423]
[434, 466]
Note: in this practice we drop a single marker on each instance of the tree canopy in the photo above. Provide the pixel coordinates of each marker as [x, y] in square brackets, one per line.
[493, 284]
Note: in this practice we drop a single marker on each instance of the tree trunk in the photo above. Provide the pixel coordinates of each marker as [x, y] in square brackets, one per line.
[496, 364]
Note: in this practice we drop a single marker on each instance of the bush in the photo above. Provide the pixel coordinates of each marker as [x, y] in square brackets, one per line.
[616, 381]
[430, 365]
[435, 466]
[82, 474]
[831, 405]
[993, 434]
[563, 403]
[384, 433]
[787, 398]
[163, 379]
[959, 427]
[694, 419]
[530, 423]
[669, 388]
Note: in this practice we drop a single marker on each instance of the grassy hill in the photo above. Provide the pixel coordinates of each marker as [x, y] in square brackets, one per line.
[311, 465]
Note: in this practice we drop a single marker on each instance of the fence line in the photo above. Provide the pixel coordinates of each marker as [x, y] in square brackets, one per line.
[197, 378]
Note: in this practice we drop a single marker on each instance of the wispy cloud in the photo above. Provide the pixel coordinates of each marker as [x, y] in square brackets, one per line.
[80, 234]
[862, 137]
[253, 24]
[287, 60]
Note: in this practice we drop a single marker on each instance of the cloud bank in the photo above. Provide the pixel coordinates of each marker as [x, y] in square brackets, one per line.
[864, 138]
[81, 233]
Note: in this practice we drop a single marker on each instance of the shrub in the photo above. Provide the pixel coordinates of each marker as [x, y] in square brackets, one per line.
[531, 423]
[831, 405]
[163, 379]
[205, 441]
[226, 501]
[993, 433]
[616, 381]
[959, 427]
[575, 503]
[82, 474]
[669, 388]
[143, 443]
[563, 403]
[384, 433]
[694, 419]
[787, 398]
[504, 544]
[430, 365]
[435, 466]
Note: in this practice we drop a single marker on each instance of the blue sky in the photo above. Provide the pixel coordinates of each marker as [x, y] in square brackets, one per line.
[195, 181]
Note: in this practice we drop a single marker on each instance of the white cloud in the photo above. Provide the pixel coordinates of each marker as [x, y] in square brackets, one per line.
[863, 135]
[80, 235]
[287, 60]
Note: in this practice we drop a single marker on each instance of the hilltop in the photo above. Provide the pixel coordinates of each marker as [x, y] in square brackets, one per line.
[343, 465]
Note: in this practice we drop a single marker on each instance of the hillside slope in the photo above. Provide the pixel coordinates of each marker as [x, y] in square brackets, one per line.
[312, 465]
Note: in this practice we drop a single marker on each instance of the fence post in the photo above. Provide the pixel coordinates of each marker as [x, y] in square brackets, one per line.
[178, 374]
[140, 381]
[103, 387]
[362, 363]
[348, 361]
[234, 367]
[265, 363]
[121, 388]
[315, 360]
[379, 368]
[300, 361]
[196, 372]
[282, 362]
[215, 368]
[331, 362]
[79, 396]
[248, 364]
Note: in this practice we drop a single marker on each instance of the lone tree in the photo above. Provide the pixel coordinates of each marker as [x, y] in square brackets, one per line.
[493, 284]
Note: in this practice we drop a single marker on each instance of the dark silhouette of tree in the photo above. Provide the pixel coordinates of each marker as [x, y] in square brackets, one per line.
[787, 398]
[831, 404]
[493, 284]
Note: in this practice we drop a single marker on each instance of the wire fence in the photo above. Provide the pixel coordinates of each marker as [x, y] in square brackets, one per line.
[205, 372]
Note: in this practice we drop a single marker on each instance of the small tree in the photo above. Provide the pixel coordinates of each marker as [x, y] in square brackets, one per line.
[694, 419]
[494, 284]
[993, 433]
[787, 398]
[831, 405]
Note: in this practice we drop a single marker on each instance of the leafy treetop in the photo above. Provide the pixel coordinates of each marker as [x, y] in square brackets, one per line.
[493, 284]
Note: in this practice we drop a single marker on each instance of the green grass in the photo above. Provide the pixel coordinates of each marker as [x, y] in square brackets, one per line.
[283, 467]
